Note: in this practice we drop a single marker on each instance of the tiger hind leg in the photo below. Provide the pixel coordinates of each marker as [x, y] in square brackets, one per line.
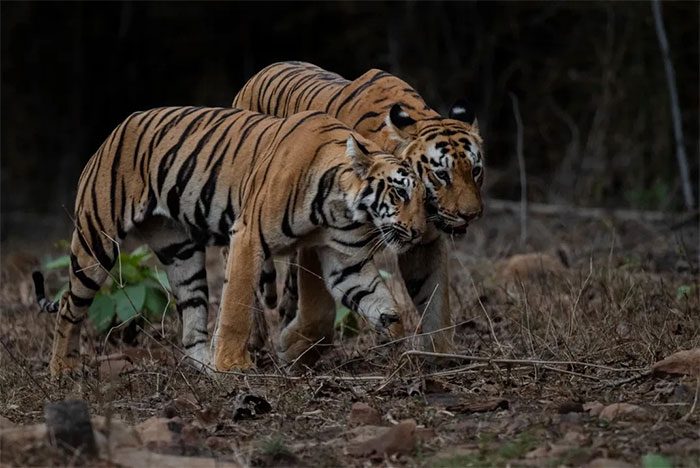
[92, 256]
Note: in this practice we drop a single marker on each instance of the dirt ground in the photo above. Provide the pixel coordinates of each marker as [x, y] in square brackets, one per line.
[549, 344]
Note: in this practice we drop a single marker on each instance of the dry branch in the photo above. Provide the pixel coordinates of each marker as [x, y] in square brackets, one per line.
[545, 209]
[675, 107]
[521, 169]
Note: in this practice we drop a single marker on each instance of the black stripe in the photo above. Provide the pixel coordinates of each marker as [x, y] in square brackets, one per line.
[191, 303]
[347, 271]
[192, 345]
[199, 275]
[80, 301]
[367, 115]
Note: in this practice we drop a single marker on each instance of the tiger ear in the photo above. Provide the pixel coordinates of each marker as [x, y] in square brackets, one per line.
[462, 111]
[398, 122]
[361, 161]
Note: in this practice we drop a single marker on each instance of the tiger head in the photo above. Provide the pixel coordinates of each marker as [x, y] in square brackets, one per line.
[447, 155]
[389, 195]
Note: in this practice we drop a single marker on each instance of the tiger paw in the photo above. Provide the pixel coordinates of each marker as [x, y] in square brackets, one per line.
[198, 357]
[386, 319]
[64, 367]
[226, 363]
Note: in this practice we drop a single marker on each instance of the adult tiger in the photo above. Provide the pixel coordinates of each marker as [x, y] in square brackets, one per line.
[445, 152]
[186, 177]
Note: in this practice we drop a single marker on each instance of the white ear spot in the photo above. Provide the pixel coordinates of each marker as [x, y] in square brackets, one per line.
[392, 130]
[351, 147]
[459, 110]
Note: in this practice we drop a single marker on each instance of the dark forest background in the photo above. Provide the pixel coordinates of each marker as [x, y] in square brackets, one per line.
[589, 78]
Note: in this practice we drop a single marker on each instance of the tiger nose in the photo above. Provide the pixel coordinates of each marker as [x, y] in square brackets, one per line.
[472, 215]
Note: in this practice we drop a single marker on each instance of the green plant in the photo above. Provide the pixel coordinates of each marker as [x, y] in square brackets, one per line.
[684, 291]
[135, 289]
[654, 460]
[275, 448]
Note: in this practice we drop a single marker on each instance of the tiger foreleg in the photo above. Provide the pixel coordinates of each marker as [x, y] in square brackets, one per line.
[288, 304]
[425, 271]
[238, 301]
[310, 329]
[267, 295]
[358, 286]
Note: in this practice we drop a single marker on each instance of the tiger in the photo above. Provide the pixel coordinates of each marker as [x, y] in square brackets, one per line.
[446, 153]
[183, 178]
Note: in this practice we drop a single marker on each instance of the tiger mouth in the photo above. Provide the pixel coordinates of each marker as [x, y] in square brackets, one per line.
[399, 239]
[450, 228]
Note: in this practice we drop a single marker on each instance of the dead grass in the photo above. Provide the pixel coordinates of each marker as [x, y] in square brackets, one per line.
[579, 334]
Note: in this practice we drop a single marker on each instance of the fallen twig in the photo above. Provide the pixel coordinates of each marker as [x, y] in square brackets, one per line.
[414, 352]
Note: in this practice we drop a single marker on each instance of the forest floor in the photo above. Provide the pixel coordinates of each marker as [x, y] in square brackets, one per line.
[564, 341]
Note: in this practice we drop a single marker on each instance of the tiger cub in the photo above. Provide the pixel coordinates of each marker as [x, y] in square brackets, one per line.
[183, 178]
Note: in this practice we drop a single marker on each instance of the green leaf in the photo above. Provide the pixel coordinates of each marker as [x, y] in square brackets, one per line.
[131, 274]
[60, 262]
[129, 301]
[160, 278]
[345, 322]
[341, 314]
[683, 291]
[102, 312]
[156, 303]
[60, 292]
[654, 460]
[140, 254]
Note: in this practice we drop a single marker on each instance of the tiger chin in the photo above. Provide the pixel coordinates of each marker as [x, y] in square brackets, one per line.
[183, 178]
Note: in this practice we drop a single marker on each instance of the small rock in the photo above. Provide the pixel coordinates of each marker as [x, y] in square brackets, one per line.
[570, 407]
[575, 438]
[425, 434]
[522, 267]
[442, 399]
[435, 386]
[480, 406]
[539, 452]
[361, 414]
[622, 329]
[69, 424]
[115, 432]
[21, 436]
[683, 362]
[217, 443]
[160, 433]
[113, 366]
[683, 447]
[557, 450]
[396, 440]
[594, 408]
[622, 411]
